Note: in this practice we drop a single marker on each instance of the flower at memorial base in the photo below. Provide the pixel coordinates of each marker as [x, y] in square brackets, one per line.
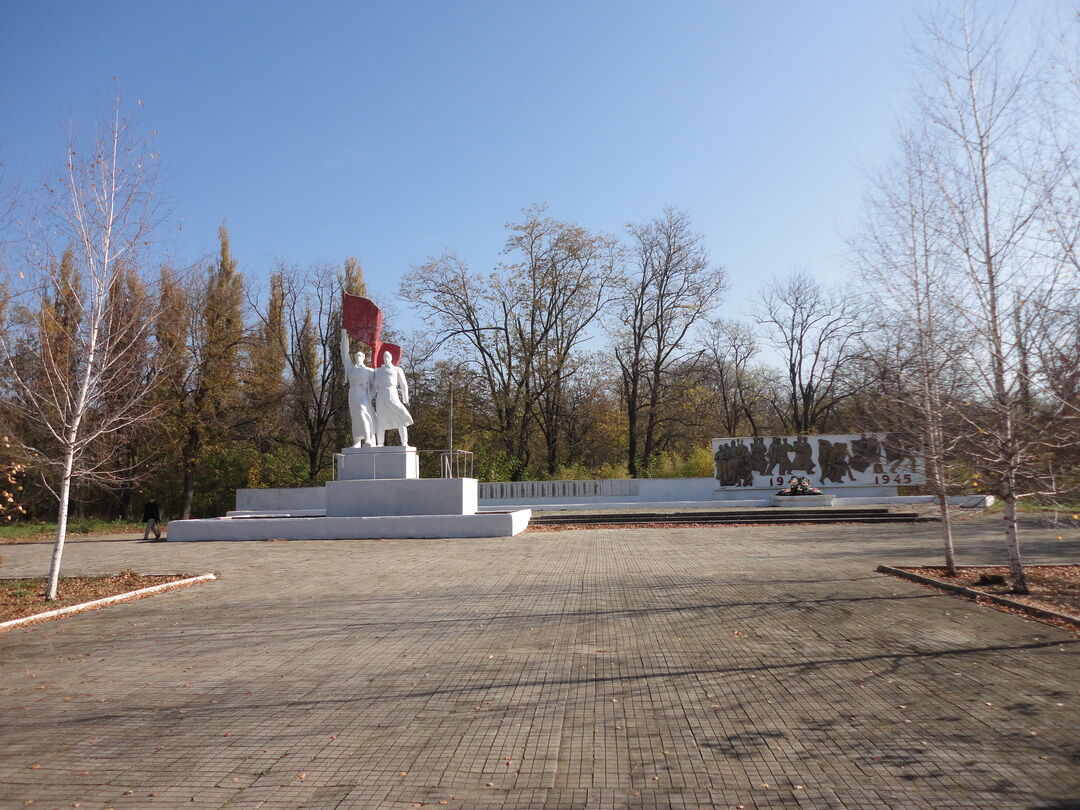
[800, 488]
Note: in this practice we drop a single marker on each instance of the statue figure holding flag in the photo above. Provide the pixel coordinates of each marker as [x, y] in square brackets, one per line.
[362, 320]
[360, 377]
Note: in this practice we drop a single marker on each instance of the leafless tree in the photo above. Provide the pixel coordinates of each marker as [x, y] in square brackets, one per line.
[996, 178]
[744, 389]
[70, 378]
[8, 202]
[315, 376]
[519, 326]
[816, 332]
[905, 264]
[671, 287]
[1055, 341]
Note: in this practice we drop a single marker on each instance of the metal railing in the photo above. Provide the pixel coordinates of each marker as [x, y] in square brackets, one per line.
[455, 463]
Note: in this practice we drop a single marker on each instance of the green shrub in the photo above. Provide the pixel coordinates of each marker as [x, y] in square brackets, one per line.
[698, 463]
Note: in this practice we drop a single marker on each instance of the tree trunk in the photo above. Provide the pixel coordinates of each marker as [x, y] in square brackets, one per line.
[551, 439]
[190, 460]
[125, 502]
[935, 461]
[61, 526]
[189, 490]
[648, 447]
[946, 533]
[1012, 545]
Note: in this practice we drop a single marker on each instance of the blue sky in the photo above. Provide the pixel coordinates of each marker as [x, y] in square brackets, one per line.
[394, 130]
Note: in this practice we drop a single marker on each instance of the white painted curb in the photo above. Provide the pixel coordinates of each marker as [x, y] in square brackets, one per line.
[108, 600]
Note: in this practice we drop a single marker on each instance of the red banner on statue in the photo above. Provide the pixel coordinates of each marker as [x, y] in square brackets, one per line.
[363, 320]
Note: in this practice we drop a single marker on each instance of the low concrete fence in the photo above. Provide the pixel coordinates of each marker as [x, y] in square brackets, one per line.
[685, 491]
[514, 490]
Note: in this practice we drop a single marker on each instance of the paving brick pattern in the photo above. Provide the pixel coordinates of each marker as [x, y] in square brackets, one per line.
[758, 667]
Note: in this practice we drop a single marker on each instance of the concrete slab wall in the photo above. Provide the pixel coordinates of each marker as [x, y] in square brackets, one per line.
[401, 496]
[676, 493]
[643, 490]
[280, 499]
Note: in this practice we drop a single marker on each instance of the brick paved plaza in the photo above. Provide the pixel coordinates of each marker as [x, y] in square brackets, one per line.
[677, 668]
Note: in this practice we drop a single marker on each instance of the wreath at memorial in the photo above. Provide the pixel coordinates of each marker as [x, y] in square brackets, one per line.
[799, 486]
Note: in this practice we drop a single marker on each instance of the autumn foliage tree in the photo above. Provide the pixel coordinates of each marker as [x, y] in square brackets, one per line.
[671, 287]
[208, 398]
[520, 326]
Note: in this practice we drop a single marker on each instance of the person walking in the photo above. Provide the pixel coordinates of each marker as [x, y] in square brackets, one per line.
[151, 515]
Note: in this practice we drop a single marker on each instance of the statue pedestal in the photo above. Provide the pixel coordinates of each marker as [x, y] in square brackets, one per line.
[371, 463]
[377, 492]
[390, 496]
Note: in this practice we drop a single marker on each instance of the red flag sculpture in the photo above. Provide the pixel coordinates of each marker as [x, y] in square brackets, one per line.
[363, 320]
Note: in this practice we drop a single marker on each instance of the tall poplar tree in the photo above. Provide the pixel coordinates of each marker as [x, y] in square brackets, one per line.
[216, 337]
[130, 455]
[264, 379]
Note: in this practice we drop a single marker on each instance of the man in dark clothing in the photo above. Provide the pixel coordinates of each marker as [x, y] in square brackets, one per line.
[151, 514]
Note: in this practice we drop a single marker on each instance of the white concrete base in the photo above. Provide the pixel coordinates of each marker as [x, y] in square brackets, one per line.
[394, 503]
[401, 496]
[488, 524]
[367, 463]
[802, 501]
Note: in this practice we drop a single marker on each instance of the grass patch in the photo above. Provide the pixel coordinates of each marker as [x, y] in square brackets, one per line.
[26, 597]
[38, 531]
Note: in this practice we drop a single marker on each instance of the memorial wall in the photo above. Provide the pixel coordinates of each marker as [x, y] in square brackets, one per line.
[828, 460]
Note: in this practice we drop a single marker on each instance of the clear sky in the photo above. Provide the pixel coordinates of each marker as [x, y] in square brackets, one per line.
[393, 130]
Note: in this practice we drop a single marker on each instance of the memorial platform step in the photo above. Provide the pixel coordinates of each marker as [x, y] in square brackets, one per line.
[765, 515]
[487, 524]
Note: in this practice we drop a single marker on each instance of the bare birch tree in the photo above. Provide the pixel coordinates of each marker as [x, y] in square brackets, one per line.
[995, 177]
[70, 380]
[905, 266]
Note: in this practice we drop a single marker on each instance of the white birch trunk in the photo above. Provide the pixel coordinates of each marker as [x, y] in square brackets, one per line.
[946, 532]
[1012, 545]
[61, 527]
